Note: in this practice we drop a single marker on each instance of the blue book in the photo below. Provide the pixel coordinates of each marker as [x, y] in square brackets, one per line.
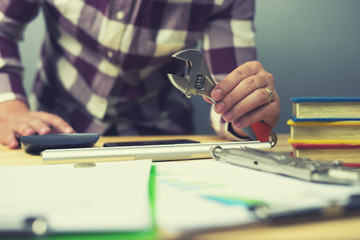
[325, 109]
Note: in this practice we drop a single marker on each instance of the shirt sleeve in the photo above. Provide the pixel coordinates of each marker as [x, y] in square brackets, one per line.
[14, 15]
[228, 42]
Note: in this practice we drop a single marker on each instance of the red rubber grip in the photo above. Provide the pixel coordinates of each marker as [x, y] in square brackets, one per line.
[262, 131]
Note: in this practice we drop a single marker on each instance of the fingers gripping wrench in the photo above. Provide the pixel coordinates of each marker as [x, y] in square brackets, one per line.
[198, 81]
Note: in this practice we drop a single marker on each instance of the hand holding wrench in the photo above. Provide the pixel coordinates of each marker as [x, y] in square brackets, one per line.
[198, 81]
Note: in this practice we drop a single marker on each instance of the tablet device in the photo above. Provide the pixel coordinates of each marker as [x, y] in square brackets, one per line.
[154, 142]
[35, 144]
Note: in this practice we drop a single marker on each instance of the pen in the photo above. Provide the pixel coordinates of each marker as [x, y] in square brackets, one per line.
[154, 152]
[333, 210]
[30, 227]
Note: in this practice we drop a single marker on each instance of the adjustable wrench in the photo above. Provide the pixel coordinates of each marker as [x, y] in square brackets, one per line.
[198, 81]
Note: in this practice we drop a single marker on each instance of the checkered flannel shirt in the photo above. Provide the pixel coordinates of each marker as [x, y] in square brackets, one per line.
[104, 63]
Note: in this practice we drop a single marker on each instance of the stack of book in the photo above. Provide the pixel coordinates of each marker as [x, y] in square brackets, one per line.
[326, 128]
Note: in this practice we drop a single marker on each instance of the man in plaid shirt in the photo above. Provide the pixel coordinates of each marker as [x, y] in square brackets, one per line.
[104, 66]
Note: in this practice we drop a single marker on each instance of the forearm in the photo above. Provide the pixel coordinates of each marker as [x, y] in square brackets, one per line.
[14, 15]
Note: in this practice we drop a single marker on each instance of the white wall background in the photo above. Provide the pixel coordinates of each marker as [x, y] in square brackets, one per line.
[312, 47]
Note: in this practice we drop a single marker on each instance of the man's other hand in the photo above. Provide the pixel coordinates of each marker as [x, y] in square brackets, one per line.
[17, 120]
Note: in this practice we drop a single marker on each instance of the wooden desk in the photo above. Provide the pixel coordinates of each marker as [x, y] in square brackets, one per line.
[346, 228]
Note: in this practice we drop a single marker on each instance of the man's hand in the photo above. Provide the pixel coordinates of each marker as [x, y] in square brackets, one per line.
[243, 97]
[17, 120]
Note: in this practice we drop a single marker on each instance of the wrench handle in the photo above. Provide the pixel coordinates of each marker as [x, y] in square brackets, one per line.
[260, 131]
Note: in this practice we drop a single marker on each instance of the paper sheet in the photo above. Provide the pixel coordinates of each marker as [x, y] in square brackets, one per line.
[108, 197]
[205, 194]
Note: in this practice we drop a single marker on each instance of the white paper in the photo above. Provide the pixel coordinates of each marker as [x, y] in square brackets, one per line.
[111, 196]
[183, 189]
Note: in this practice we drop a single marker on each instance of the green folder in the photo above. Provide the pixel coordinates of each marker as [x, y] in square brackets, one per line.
[149, 234]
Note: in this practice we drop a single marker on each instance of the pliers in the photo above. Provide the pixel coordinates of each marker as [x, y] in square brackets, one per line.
[198, 81]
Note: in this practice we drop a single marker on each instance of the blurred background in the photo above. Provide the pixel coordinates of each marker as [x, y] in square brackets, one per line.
[311, 47]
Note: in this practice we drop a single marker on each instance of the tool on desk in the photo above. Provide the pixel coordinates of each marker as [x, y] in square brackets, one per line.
[302, 168]
[152, 142]
[34, 144]
[184, 151]
[198, 81]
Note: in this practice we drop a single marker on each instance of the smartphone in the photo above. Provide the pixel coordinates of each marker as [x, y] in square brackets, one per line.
[144, 143]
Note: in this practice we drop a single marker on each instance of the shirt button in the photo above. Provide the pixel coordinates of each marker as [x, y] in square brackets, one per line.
[120, 15]
[110, 54]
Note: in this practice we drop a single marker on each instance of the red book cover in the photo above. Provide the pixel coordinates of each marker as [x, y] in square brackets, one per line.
[324, 146]
[329, 146]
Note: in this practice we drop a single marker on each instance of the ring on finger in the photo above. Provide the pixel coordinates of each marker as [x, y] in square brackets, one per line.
[270, 94]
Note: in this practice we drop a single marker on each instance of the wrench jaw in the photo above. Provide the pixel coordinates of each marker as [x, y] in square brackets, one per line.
[197, 75]
[180, 83]
[201, 88]
[188, 55]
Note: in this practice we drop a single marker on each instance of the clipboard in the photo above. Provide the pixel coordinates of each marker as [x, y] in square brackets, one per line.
[148, 233]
